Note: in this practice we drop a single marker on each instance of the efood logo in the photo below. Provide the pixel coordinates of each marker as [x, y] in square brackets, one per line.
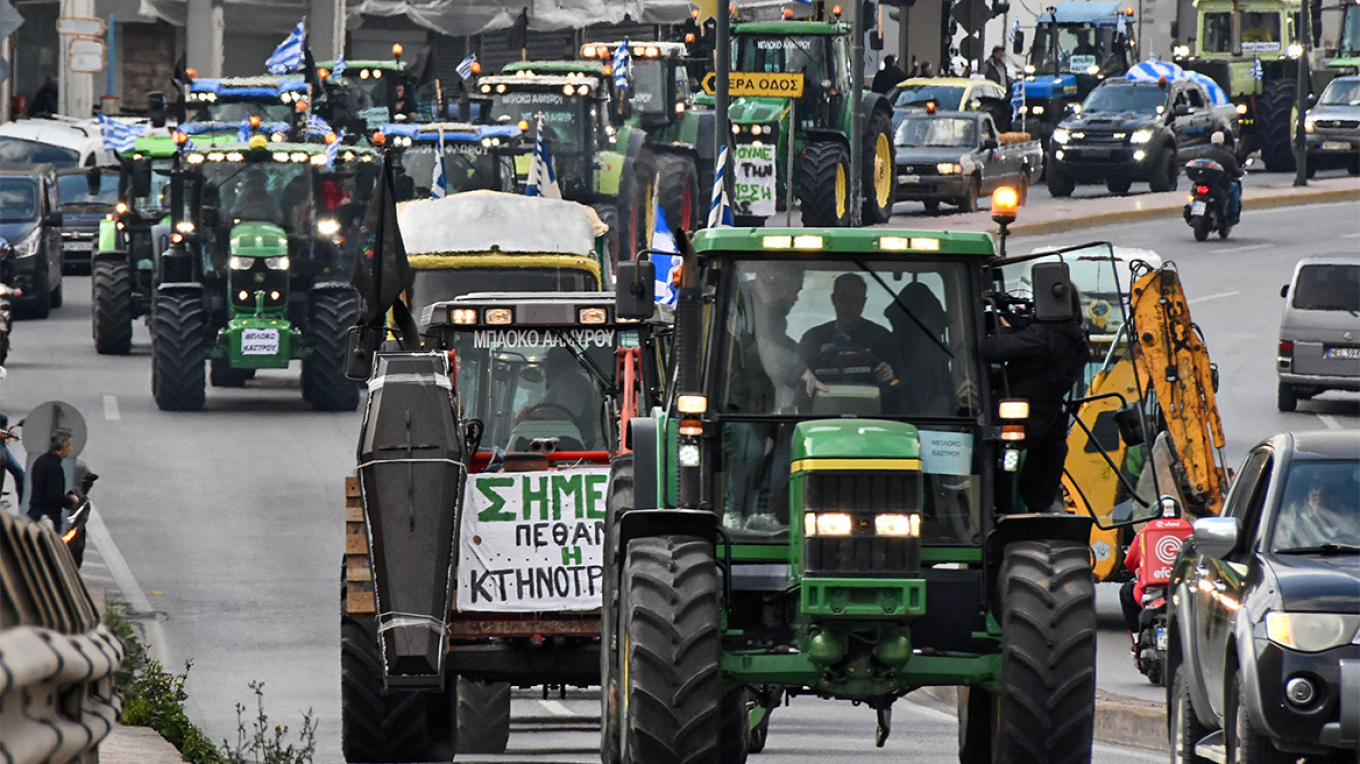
[1166, 549]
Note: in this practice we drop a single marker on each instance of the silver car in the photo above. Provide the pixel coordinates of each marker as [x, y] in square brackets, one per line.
[1332, 127]
[1320, 329]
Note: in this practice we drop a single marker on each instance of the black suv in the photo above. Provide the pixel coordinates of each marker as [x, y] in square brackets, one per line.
[30, 220]
[1263, 632]
[86, 196]
[1128, 130]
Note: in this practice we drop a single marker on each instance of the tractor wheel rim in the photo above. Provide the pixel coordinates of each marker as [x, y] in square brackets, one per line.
[882, 166]
[840, 191]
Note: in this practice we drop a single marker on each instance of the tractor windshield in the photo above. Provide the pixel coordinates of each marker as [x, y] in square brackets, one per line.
[649, 86]
[223, 110]
[155, 204]
[1349, 44]
[830, 338]
[530, 384]
[1075, 49]
[431, 285]
[564, 117]
[1121, 99]
[1260, 32]
[467, 167]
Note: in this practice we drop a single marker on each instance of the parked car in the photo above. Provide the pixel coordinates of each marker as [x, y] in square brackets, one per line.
[1320, 329]
[1263, 653]
[946, 93]
[955, 156]
[1134, 130]
[82, 211]
[30, 221]
[1332, 127]
[59, 141]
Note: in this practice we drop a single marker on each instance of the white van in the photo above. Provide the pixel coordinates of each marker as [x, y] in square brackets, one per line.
[62, 142]
[1320, 329]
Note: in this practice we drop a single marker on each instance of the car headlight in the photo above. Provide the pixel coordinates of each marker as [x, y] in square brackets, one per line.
[948, 168]
[1140, 136]
[29, 245]
[1060, 135]
[1311, 632]
[238, 263]
[277, 263]
[1309, 125]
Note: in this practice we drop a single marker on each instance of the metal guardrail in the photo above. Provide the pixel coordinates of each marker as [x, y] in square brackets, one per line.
[57, 696]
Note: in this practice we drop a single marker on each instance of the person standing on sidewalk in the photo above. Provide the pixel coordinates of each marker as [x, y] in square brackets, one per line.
[49, 496]
[11, 464]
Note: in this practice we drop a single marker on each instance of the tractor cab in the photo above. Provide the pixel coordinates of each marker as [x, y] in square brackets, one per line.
[364, 95]
[819, 52]
[471, 157]
[658, 88]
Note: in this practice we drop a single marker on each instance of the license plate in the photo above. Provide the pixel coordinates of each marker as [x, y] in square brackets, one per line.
[1096, 153]
[1344, 353]
[1161, 637]
[1335, 146]
[259, 342]
[1197, 208]
[78, 246]
[908, 178]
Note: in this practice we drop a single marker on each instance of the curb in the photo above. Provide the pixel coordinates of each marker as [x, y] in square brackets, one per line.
[136, 745]
[1120, 720]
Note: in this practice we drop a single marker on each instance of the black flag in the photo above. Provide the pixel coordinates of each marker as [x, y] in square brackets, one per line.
[382, 272]
[519, 31]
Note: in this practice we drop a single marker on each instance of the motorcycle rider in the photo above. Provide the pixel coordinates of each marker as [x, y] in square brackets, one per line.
[1220, 152]
[1151, 566]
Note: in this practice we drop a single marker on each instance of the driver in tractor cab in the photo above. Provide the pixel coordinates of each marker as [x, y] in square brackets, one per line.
[1149, 558]
[850, 330]
[253, 200]
[568, 391]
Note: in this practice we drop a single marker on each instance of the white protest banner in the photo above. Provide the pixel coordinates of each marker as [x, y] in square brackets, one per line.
[754, 175]
[532, 541]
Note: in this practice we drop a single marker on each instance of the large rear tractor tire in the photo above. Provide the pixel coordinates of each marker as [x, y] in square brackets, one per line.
[179, 342]
[879, 174]
[677, 191]
[381, 726]
[1048, 650]
[672, 681]
[483, 716]
[333, 312]
[111, 306]
[824, 185]
[1275, 124]
[620, 499]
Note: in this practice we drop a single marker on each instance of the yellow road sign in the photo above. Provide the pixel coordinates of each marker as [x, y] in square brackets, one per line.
[773, 84]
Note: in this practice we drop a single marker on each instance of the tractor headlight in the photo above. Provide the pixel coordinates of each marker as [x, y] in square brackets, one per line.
[1060, 135]
[1294, 51]
[277, 263]
[1241, 108]
[828, 524]
[1311, 632]
[897, 525]
[239, 263]
[185, 226]
[1140, 136]
[1180, 51]
[327, 227]
[1037, 110]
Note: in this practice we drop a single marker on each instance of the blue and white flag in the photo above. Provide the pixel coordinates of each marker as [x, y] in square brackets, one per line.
[118, 136]
[623, 66]
[333, 148]
[317, 127]
[542, 179]
[1015, 29]
[1121, 26]
[340, 66]
[243, 133]
[663, 240]
[1154, 70]
[289, 55]
[1017, 98]
[465, 66]
[719, 209]
[439, 183]
[1257, 72]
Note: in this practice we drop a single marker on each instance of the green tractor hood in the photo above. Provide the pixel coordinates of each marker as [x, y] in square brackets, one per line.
[749, 110]
[258, 239]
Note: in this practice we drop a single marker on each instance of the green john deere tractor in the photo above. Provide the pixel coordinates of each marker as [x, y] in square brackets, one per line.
[1252, 50]
[259, 274]
[806, 517]
[818, 122]
[595, 154]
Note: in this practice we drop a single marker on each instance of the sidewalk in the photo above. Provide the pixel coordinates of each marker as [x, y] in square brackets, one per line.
[1119, 719]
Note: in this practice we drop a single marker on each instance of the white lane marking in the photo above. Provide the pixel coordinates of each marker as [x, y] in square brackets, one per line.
[1215, 296]
[127, 584]
[1350, 235]
[1331, 423]
[111, 407]
[556, 708]
[1247, 248]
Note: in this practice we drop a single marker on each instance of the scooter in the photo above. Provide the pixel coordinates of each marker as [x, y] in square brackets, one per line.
[1150, 658]
[74, 520]
[7, 293]
[1207, 209]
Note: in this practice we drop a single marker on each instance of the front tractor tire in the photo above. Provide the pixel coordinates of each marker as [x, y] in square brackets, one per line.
[619, 500]
[111, 306]
[1048, 648]
[1275, 124]
[677, 191]
[483, 716]
[333, 312]
[824, 185]
[377, 725]
[880, 176]
[179, 323]
[671, 684]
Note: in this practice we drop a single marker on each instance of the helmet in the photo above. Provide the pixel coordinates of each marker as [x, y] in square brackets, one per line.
[1216, 138]
[1171, 508]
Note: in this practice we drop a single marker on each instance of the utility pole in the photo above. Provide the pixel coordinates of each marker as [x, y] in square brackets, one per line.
[856, 194]
[1301, 83]
[722, 64]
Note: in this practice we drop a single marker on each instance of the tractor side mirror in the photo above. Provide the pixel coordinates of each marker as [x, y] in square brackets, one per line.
[139, 182]
[1018, 47]
[634, 290]
[360, 345]
[93, 180]
[990, 143]
[156, 108]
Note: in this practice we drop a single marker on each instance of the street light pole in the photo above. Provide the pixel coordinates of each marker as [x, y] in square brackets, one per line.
[722, 64]
[1302, 81]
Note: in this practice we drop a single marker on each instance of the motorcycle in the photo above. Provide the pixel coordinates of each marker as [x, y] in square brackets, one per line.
[74, 520]
[1207, 210]
[1150, 657]
[7, 293]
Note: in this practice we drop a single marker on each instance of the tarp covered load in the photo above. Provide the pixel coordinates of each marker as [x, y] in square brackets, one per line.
[487, 221]
[1154, 70]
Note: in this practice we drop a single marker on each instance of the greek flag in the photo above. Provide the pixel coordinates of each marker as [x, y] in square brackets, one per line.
[663, 240]
[1015, 29]
[317, 127]
[118, 136]
[288, 56]
[333, 148]
[243, 134]
[340, 66]
[465, 66]
[1257, 72]
[439, 184]
[1121, 26]
[1017, 98]
[542, 179]
[623, 66]
[720, 210]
